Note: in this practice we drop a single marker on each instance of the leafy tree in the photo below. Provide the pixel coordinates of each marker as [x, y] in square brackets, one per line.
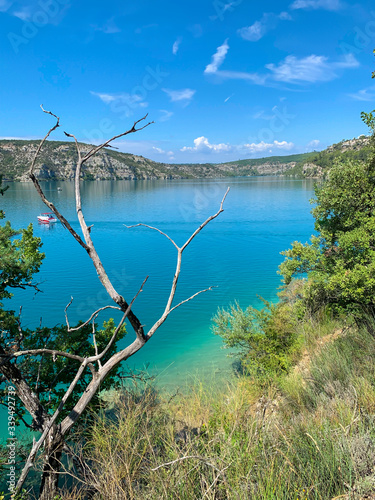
[47, 376]
[39, 363]
[340, 260]
[265, 340]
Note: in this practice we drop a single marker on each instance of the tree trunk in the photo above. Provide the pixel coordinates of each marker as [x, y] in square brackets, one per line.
[52, 464]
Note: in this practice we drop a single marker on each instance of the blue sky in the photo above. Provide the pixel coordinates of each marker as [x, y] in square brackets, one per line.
[222, 80]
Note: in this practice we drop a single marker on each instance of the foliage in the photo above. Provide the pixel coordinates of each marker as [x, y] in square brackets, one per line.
[226, 443]
[20, 258]
[265, 340]
[49, 376]
[340, 260]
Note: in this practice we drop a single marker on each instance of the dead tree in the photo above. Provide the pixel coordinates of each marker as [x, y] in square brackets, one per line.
[54, 432]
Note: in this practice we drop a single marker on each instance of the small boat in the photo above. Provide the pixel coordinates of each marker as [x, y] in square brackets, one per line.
[47, 218]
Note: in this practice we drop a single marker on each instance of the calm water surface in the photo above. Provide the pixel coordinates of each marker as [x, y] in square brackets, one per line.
[239, 252]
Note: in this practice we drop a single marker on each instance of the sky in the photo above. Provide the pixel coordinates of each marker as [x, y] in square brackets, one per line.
[221, 80]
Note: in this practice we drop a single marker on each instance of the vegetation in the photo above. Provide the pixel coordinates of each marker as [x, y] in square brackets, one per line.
[340, 260]
[298, 420]
[358, 150]
[57, 162]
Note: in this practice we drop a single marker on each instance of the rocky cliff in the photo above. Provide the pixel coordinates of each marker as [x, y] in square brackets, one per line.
[58, 159]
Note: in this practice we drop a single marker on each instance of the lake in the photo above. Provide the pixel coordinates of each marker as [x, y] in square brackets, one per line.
[239, 253]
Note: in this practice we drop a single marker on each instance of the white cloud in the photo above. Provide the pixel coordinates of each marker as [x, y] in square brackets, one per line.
[183, 95]
[165, 116]
[367, 94]
[24, 14]
[265, 146]
[316, 4]
[202, 145]
[123, 102]
[309, 69]
[285, 16]
[258, 29]
[254, 32]
[229, 97]
[176, 46]
[313, 144]
[218, 58]
[170, 154]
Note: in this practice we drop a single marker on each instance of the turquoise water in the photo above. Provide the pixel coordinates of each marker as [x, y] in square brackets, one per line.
[239, 252]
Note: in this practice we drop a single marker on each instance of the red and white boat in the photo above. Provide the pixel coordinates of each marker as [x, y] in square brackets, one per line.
[47, 218]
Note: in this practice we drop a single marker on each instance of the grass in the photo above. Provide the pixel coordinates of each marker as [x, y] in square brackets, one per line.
[311, 435]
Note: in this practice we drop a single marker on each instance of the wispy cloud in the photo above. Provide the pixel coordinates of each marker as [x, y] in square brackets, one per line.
[218, 58]
[166, 115]
[109, 27]
[316, 4]
[262, 146]
[257, 30]
[310, 69]
[24, 13]
[313, 144]
[202, 145]
[367, 94]
[229, 97]
[292, 69]
[176, 45]
[123, 102]
[184, 95]
[170, 154]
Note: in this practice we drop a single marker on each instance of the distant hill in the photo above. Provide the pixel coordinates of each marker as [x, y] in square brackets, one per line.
[357, 149]
[57, 162]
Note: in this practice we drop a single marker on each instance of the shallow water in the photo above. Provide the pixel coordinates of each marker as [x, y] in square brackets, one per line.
[239, 253]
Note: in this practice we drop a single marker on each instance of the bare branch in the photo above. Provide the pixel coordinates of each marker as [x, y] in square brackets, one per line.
[57, 124]
[38, 444]
[155, 229]
[95, 344]
[93, 315]
[206, 221]
[168, 307]
[105, 144]
[192, 297]
[36, 352]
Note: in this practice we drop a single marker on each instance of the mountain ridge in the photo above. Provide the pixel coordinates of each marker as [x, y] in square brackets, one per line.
[57, 161]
